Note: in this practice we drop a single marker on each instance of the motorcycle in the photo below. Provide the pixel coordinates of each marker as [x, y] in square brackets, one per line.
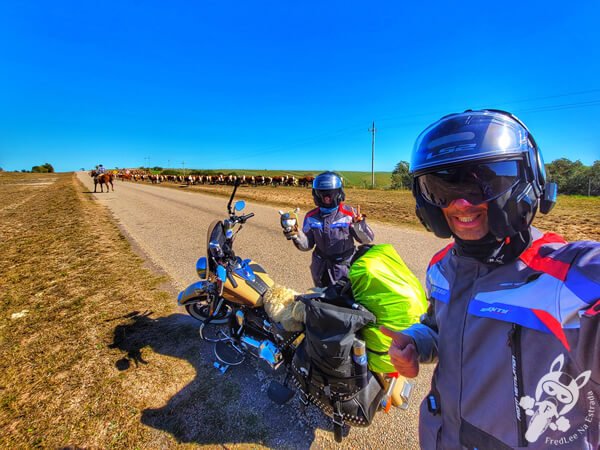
[230, 293]
[228, 301]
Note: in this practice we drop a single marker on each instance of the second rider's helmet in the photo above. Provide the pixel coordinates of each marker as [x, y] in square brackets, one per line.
[481, 156]
[328, 185]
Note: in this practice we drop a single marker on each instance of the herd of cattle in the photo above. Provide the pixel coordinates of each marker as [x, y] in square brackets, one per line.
[251, 180]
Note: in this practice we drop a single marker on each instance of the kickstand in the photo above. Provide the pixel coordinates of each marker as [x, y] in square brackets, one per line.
[286, 380]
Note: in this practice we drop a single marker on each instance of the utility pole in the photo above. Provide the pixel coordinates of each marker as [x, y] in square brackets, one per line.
[373, 130]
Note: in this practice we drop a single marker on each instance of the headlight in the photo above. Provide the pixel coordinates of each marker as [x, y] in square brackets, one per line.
[202, 267]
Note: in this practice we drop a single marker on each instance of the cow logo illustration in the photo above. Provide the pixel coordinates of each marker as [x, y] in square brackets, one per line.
[555, 395]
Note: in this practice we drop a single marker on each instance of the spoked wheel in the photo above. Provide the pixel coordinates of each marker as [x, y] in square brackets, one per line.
[200, 311]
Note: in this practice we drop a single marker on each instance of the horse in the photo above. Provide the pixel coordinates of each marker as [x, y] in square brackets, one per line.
[102, 179]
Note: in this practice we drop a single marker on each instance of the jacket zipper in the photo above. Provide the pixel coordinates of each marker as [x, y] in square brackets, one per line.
[514, 342]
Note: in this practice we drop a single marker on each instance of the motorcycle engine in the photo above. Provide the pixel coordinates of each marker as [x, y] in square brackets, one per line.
[259, 337]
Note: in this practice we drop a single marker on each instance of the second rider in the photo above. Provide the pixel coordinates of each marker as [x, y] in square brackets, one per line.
[331, 229]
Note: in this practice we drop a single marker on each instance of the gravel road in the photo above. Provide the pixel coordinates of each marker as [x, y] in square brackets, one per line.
[169, 227]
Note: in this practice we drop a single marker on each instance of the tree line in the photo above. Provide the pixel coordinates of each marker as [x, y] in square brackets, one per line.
[572, 177]
[44, 168]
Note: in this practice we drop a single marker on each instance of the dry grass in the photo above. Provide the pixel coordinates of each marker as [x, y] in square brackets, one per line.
[577, 218]
[81, 365]
[574, 217]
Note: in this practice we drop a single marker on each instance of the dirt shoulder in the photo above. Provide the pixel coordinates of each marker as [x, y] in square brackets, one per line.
[94, 354]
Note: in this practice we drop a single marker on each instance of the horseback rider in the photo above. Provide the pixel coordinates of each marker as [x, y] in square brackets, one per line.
[331, 229]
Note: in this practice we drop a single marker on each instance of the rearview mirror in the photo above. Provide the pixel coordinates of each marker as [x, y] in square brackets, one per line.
[239, 205]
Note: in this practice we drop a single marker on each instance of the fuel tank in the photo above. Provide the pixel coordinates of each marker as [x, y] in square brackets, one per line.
[252, 283]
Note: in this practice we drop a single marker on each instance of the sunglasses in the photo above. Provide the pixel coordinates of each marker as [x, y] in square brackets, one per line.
[476, 183]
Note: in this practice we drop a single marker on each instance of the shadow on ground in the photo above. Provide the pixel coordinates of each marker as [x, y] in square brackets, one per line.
[213, 408]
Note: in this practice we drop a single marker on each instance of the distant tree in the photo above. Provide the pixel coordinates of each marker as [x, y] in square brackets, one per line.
[574, 178]
[44, 168]
[594, 181]
[157, 168]
[401, 178]
[567, 174]
[1, 169]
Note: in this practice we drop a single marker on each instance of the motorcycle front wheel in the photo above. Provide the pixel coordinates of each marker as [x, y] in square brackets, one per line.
[200, 311]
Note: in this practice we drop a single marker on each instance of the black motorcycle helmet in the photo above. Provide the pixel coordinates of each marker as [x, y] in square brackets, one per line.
[328, 184]
[482, 156]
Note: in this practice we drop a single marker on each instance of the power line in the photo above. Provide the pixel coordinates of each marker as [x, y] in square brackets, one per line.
[589, 91]
[530, 110]
[432, 113]
[344, 131]
[563, 106]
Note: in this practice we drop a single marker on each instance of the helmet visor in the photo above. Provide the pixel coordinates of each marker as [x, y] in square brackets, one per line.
[331, 194]
[466, 137]
[476, 183]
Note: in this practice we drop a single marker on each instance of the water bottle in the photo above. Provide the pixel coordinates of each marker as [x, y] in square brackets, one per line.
[359, 356]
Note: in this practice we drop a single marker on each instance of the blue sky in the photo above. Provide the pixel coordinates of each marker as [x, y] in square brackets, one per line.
[286, 85]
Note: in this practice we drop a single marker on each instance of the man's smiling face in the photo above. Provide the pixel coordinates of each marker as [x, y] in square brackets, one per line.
[466, 221]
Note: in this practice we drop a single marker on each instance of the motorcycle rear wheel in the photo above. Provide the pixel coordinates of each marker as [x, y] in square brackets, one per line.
[200, 311]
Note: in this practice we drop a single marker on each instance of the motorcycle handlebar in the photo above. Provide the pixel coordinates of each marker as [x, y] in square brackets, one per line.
[245, 217]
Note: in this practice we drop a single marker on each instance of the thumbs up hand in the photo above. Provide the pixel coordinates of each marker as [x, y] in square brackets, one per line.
[403, 353]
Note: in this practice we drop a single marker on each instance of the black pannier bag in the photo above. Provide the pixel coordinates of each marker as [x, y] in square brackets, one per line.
[323, 369]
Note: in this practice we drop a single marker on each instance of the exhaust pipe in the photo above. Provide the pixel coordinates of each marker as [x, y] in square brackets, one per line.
[265, 350]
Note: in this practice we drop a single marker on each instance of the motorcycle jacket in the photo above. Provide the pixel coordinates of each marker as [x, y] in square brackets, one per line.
[332, 236]
[517, 347]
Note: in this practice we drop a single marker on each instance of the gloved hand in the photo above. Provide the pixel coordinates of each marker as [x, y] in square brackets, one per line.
[289, 223]
[292, 234]
[358, 217]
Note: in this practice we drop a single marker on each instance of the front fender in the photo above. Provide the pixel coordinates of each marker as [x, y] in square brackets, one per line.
[194, 293]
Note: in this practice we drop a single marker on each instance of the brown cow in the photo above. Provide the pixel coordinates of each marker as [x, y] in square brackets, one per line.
[278, 180]
[306, 181]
